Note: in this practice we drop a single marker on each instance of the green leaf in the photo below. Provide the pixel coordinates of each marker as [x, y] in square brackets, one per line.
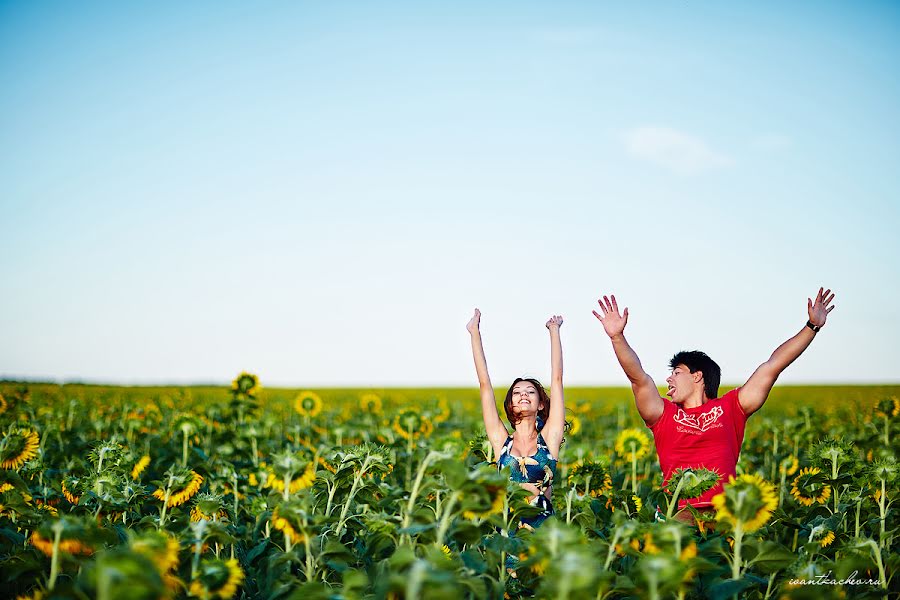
[728, 588]
[258, 549]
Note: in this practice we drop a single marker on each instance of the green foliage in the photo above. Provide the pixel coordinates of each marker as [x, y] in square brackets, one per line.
[343, 505]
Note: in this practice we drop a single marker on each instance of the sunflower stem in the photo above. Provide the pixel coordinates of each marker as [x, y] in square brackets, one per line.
[184, 447]
[674, 502]
[876, 552]
[653, 582]
[445, 518]
[234, 481]
[738, 540]
[769, 587]
[332, 488]
[411, 503]
[881, 509]
[835, 464]
[195, 562]
[415, 580]
[409, 450]
[611, 551]
[633, 470]
[286, 492]
[774, 454]
[54, 557]
[309, 568]
[165, 505]
[781, 487]
[357, 479]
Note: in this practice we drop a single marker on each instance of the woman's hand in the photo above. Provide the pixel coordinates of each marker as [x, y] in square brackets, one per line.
[474, 322]
[555, 321]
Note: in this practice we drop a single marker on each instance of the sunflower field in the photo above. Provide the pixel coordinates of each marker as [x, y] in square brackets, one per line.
[249, 492]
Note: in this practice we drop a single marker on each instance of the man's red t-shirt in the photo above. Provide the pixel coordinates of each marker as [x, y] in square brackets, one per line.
[708, 436]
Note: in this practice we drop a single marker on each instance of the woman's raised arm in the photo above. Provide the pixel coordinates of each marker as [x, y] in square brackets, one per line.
[556, 422]
[496, 432]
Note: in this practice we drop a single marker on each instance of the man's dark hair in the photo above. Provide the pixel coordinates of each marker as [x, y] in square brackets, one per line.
[699, 361]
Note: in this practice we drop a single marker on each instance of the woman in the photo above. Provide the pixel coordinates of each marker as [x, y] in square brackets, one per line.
[531, 452]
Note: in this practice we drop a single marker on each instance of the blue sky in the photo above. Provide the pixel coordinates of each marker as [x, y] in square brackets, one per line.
[322, 192]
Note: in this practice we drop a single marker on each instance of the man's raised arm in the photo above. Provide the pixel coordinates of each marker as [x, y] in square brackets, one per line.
[649, 403]
[754, 393]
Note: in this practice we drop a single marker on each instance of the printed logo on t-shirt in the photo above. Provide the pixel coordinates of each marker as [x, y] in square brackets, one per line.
[699, 422]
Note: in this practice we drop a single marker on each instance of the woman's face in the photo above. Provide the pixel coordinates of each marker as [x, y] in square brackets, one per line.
[525, 399]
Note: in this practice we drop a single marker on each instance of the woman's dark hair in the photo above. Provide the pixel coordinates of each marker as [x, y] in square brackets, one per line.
[543, 397]
[695, 361]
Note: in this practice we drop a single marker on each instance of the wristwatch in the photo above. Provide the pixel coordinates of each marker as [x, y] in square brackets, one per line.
[815, 328]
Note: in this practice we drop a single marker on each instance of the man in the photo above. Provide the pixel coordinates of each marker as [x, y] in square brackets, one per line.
[695, 428]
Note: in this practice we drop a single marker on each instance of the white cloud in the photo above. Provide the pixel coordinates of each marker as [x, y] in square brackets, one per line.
[676, 151]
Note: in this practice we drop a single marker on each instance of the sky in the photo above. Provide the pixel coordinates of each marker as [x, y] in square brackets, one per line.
[322, 192]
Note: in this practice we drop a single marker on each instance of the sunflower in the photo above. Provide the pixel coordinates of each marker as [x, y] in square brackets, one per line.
[48, 508]
[290, 464]
[885, 468]
[139, 467]
[582, 408]
[638, 505]
[297, 484]
[632, 440]
[160, 547]
[631, 501]
[808, 489]
[370, 403]
[443, 412]
[18, 447]
[217, 579]
[325, 464]
[69, 546]
[245, 384]
[411, 424]
[693, 482]
[281, 520]
[832, 455]
[888, 407]
[747, 501]
[446, 550]
[649, 546]
[789, 465]
[71, 497]
[689, 551]
[3, 404]
[308, 404]
[592, 477]
[826, 539]
[496, 495]
[187, 424]
[574, 425]
[208, 507]
[6, 486]
[184, 484]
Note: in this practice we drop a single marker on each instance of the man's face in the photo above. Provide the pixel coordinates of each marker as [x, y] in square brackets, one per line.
[682, 383]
